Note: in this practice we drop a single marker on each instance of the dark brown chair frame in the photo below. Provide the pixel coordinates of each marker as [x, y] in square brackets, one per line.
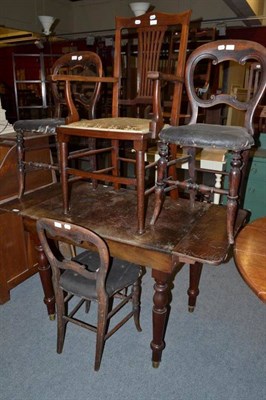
[90, 278]
[237, 140]
[151, 28]
[71, 63]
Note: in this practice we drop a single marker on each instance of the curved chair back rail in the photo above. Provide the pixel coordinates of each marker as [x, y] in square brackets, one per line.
[77, 64]
[239, 51]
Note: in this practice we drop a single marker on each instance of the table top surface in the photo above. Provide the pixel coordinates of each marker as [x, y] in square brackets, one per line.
[182, 233]
[250, 256]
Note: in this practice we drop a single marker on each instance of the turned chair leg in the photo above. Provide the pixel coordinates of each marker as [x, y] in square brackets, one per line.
[136, 292]
[232, 198]
[87, 306]
[191, 151]
[21, 165]
[160, 185]
[63, 175]
[61, 322]
[101, 332]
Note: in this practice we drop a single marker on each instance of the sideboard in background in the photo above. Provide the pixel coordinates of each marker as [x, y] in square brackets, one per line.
[18, 260]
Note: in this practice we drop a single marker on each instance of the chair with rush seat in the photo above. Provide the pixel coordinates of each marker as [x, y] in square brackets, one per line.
[235, 139]
[91, 276]
[149, 31]
[85, 95]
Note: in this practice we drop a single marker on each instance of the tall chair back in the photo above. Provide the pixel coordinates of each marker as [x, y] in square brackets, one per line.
[151, 31]
[149, 39]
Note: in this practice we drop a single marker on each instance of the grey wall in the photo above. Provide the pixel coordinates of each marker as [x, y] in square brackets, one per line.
[92, 15]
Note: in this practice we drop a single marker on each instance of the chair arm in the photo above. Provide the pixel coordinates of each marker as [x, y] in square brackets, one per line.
[156, 75]
[160, 80]
[156, 123]
[79, 78]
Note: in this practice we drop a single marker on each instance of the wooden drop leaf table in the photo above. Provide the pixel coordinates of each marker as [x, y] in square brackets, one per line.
[181, 236]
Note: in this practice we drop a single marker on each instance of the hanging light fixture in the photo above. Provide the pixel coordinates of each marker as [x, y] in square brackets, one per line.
[139, 8]
[46, 21]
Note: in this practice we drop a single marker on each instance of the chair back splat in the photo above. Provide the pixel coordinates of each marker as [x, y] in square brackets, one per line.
[91, 276]
[149, 43]
[121, 128]
[85, 94]
[237, 140]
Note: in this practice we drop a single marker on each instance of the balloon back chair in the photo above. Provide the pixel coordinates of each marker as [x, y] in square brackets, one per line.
[85, 95]
[236, 140]
[91, 276]
[148, 33]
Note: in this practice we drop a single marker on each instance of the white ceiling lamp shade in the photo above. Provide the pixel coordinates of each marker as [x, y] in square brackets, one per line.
[139, 8]
[47, 23]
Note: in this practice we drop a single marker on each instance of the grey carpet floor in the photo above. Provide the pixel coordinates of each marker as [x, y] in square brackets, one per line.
[216, 353]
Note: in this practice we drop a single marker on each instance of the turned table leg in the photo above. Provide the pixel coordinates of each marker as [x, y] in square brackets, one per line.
[160, 314]
[193, 290]
[46, 280]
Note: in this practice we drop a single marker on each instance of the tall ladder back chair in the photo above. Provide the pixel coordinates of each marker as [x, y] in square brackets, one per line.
[91, 276]
[151, 30]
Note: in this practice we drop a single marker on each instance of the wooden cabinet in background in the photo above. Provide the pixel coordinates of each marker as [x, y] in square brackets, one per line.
[18, 260]
[31, 87]
[255, 196]
[255, 185]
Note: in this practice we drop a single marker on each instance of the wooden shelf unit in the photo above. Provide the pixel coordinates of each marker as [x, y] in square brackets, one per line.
[32, 93]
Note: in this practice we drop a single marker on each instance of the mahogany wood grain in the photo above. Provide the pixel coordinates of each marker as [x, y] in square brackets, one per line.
[250, 256]
[17, 252]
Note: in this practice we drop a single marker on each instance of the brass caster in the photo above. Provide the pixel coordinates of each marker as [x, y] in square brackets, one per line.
[191, 308]
[52, 317]
[155, 364]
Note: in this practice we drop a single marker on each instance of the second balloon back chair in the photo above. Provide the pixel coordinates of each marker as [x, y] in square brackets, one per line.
[85, 94]
[237, 140]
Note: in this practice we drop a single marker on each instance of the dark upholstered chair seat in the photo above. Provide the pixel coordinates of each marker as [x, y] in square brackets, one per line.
[233, 138]
[44, 126]
[121, 275]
